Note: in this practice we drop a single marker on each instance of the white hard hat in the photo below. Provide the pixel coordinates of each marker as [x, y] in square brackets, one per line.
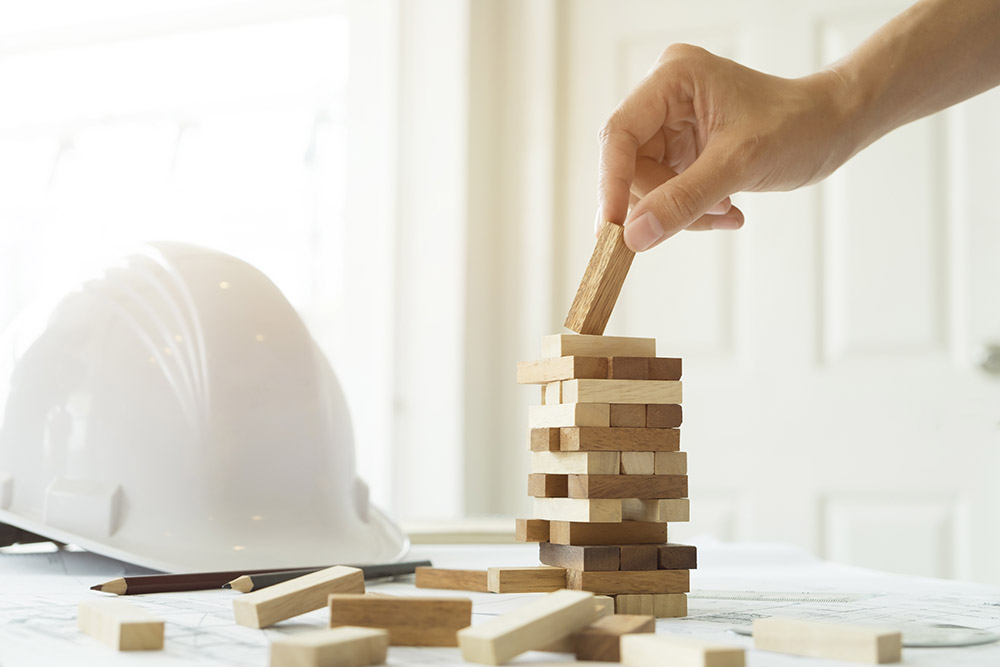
[174, 412]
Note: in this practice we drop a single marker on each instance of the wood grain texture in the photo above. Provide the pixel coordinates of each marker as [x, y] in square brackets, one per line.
[637, 463]
[602, 282]
[337, 647]
[833, 641]
[544, 485]
[601, 640]
[544, 440]
[453, 580]
[119, 624]
[596, 558]
[627, 486]
[663, 509]
[628, 368]
[664, 368]
[628, 415]
[631, 581]
[626, 532]
[569, 414]
[554, 369]
[677, 557]
[670, 463]
[542, 579]
[410, 621]
[620, 439]
[267, 606]
[638, 557]
[536, 624]
[576, 509]
[605, 606]
[533, 530]
[660, 605]
[572, 345]
[649, 650]
[622, 391]
[664, 416]
[580, 463]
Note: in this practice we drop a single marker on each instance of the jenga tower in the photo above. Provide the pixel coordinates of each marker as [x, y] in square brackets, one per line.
[607, 473]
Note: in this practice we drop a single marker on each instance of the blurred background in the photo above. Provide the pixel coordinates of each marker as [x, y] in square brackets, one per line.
[418, 177]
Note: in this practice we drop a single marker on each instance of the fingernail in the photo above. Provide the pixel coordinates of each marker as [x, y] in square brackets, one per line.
[726, 224]
[643, 232]
[598, 222]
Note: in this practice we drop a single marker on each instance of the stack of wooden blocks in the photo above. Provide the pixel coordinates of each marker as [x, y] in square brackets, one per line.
[607, 473]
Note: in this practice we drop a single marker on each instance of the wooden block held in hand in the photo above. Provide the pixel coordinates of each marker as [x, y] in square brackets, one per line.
[638, 557]
[834, 641]
[544, 440]
[600, 641]
[267, 606]
[580, 557]
[670, 463]
[678, 557]
[577, 463]
[655, 650]
[601, 510]
[569, 345]
[627, 486]
[544, 371]
[591, 438]
[618, 583]
[546, 485]
[533, 530]
[637, 463]
[626, 532]
[628, 368]
[337, 647]
[602, 282]
[526, 579]
[119, 624]
[410, 621]
[622, 391]
[569, 414]
[453, 580]
[660, 605]
[663, 509]
[664, 416]
[628, 415]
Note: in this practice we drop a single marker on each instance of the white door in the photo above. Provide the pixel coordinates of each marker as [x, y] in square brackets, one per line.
[833, 394]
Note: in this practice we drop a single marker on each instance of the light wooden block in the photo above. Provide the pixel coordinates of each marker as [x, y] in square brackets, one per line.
[337, 647]
[542, 394]
[650, 650]
[670, 463]
[569, 414]
[622, 391]
[605, 606]
[538, 623]
[544, 485]
[602, 282]
[622, 582]
[532, 530]
[454, 580]
[663, 509]
[542, 579]
[545, 371]
[833, 641]
[628, 415]
[628, 368]
[577, 463]
[677, 557]
[553, 393]
[600, 641]
[267, 606]
[637, 463]
[410, 621]
[119, 624]
[664, 416]
[604, 510]
[660, 605]
[626, 486]
[638, 557]
[591, 438]
[569, 345]
[544, 440]
[626, 532]
[581, 557]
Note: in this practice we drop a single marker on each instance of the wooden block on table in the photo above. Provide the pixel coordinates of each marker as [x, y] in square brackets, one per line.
[677, 557]
[670, 463]
[628, 415]
[649, 650]
[552, 394]
[569, 345]
[622, 391]
[637, 463]
[337, 647]
[638, 557]
[602, 282]
[603, 604]
[119, 624]
[544, 440]
[267, 606]
[626, 532]
[663, 509]
[624, 582]
[664, 416]
[592, 438]
[542, 579]
[533, 530]
[628, 368]
[545, 485]
[454, 580]
[627, 486]
[569, 414]
[603, 510]
[410, 621]
[600, 641]
[544, 371]
[833, 641]
[660, 605]
[577, 463]
[592, 557]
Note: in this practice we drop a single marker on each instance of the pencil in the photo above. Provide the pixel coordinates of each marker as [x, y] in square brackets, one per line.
[258, 580]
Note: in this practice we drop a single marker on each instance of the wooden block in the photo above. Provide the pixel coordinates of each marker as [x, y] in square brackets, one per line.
[628, 368]
[119, 624]
[267, 606]
[337, 647]
[663, 509]
[636, 603]
[592, 438]
[453, 580]
[577, 463]
[626, 532]
[834, 641]
[670, 463]
[664, 416]
[581, 557]
[541, 398]
[624, 582]
[637, 463]
[649, 650]
[526, 579]
[627, 486]
[603, 510]
[533, 530]
[638, 557]
[544, 371]
[410, 621]
[536, 624]
[677, 557]
[543, 485]
[660, 605]
[552, 394]
[622, 391]
[664, 368]
[602, 281]
[544, 440]
[569, 345]
[569, 414]
[600, 641]
[628, 415]
[603, 604]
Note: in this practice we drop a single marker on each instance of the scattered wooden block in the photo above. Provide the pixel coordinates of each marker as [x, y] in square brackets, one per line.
[552, 394]
[545, 485]
[664, 368]
[622, 391]
[660, 605]
[600, 641]
[650, 650]
[628, 415]
[569, 414]
[581, 557]
[533, 530]
[628, 368]
[337, 647]
[618, 583]
[579, 463]
[638, 557]
[677, 557]
[603, 604]
[544, 440]
[569, 345]
[119, 624]
[626, 532]
[267, 606]
[592, 438]
[670, 463]
[410, 621]
[834, 641]
[536, 624]
[525, 579]
[626, 486]
[664, 416]
[544, 371]
[601, 510]
[602, 281]
[663, 509]
[453, 580]
[637, 463]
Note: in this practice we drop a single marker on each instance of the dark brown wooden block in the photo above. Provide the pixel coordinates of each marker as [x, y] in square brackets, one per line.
[601, 640]
[628, 368]
[535, 530]
[628, 582]
[544, 440]
[663, 416]
[639, 557]
[627, 486]
[628, 415]
[555, 369]
[544, 485]
[663, 368]
[626, 532]
[620, 439]
[591, 558]
[678, 557]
